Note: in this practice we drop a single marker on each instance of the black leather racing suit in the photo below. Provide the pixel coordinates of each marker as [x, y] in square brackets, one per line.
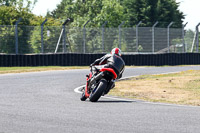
[111, 61]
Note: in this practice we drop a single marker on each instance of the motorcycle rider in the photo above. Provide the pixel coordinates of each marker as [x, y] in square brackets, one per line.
[112, 60]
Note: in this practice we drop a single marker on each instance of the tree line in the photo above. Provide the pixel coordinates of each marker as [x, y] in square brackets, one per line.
[97, 12]
[116, 11]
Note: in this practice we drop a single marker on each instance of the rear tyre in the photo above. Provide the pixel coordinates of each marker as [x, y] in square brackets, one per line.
[94, 96]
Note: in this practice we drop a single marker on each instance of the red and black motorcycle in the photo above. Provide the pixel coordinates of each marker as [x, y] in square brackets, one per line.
[99, 83]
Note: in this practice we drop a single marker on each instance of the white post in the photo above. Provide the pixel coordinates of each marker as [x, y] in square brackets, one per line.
[59, 41]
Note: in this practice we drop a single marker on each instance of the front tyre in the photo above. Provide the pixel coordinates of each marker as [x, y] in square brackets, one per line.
[94, 96]
[83, 97]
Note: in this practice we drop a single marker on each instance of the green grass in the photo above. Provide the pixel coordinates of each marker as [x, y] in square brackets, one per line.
[4, 70]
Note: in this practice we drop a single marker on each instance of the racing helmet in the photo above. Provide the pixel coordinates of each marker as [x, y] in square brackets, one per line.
[116, 51]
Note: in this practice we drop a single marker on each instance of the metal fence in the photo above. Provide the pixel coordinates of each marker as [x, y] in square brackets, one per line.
[19, 39]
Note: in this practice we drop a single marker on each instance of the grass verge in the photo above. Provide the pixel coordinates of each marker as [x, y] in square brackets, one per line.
[5, 70]
[178, 88]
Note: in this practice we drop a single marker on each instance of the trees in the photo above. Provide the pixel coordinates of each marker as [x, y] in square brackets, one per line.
[114, 12]
[20, 4]
[134, 11]
[8, 16]
[150, 11]
[60, 12]
[97, 11]
[8, 2]
[29, 37]
[51, 32]
[168, 12]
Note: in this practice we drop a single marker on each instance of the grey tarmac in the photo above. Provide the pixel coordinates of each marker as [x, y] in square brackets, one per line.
[45, 102]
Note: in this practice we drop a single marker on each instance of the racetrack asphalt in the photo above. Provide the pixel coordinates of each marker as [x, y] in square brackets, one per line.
[45, 102]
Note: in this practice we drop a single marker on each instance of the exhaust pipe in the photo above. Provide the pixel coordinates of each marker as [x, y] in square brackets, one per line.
[95, 78]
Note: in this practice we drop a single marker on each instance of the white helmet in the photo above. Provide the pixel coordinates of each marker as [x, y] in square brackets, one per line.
[116, 51]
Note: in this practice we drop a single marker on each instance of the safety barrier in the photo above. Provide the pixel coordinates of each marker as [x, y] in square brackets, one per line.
[72, 59]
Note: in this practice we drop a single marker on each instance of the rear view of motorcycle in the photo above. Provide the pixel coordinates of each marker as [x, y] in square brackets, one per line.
[99, 83]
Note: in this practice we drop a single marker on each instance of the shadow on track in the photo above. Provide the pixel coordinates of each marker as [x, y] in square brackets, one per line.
[116, 101]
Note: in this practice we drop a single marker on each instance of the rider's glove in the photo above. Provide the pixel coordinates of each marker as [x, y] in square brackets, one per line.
[91, 65]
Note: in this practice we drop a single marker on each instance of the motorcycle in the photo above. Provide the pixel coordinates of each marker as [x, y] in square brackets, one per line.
[98, 83]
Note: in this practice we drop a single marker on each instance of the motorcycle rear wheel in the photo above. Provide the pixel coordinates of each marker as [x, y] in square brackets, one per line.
[94, 96]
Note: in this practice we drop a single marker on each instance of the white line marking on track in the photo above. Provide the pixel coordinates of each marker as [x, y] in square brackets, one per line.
[77, 90]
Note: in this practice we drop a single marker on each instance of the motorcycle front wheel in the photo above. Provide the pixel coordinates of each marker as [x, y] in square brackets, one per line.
[96, 94]
[83, 97]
